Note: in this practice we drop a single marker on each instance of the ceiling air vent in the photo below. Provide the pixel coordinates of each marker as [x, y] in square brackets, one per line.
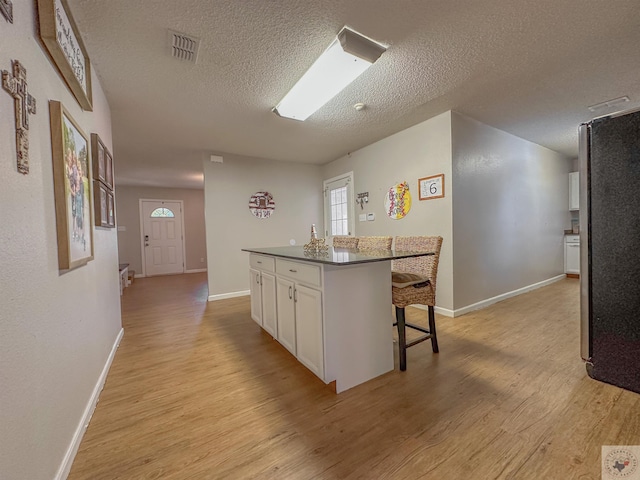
[183, 46]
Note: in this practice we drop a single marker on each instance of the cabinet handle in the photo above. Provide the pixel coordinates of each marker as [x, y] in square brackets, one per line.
[258, 278]
[259, 262]
[295, 294]
[290, 296]
[293, 271]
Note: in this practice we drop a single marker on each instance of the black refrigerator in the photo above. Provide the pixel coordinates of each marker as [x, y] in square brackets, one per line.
[609, 162]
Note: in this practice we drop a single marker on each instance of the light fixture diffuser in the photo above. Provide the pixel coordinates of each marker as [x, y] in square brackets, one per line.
[347, 57]
[608, 104]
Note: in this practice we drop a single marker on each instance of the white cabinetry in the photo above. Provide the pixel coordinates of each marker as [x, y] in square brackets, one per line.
[286, 314]
[333, 316]
[574, 191]
[288, 304]
[256, 295]
[269, 308]
[300, 320]
[309, 345]
[572, 254]
[263, 293]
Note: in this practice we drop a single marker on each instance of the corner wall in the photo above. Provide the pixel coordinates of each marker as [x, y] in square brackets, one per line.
[56, 331]
[230, 226]
[510, 209]
[419, 151]
[128, 211]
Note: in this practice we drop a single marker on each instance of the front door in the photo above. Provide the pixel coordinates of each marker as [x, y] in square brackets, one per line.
[162, 235]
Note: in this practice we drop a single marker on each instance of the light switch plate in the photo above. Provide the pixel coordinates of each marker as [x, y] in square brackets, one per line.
[363, 217]
[122, 228]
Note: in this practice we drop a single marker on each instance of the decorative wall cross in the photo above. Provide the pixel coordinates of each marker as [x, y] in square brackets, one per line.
[25, 104]
[6, 8]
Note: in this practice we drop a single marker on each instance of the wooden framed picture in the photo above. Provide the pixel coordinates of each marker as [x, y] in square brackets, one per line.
[71, 188]
[108, 169]
[97, 153]
[431, 187]
[101, 203]
[111, 210]
[62, 40]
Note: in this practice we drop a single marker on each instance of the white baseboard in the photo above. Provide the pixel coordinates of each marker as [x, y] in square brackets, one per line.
[222, 296]
[442, 311]
[445, 311]
[67, 462]
[196, 270]
[490, 301]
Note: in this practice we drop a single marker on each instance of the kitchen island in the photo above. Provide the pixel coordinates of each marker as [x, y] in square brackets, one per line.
[331, 310]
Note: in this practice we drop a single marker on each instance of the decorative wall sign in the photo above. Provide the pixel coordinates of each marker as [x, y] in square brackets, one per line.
[60, 35]
[397, 203]
[6, 8]
[431, 187]
[24, 104]
[72, 189]
[261, 204]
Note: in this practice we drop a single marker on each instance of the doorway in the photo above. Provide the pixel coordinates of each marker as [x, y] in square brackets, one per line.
[338, 206]
[162, 229]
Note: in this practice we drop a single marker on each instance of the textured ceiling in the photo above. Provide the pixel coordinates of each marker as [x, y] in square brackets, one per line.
[527, 67]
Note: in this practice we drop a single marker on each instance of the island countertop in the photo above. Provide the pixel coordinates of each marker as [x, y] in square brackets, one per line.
[336, 256]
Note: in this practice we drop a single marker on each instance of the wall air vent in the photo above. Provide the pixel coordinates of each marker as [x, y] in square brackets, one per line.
[183, 46]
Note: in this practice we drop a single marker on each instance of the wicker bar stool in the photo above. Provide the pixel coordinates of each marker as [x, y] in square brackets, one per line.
[374, 243]
[414, 282]
[345, 241]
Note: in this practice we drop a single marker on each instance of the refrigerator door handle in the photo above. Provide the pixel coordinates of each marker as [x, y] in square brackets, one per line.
[585, 280]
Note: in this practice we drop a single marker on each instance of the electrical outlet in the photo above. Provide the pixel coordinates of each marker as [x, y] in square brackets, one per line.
[201, 260]
[371, 217]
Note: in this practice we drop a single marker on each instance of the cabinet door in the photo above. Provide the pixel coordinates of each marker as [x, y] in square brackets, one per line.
[286, 323]
[256, 295]
[269, 312]
[571, 258]
[574, 191]
[309, 342]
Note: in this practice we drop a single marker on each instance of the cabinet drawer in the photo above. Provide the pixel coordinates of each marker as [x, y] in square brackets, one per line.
[262, 262]
[300, 272]
[572, 238]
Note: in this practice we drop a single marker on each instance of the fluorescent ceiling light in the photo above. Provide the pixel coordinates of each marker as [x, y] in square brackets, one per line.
[608, 104]
[347, 57]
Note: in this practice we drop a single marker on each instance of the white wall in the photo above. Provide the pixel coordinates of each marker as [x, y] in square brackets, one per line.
[510, 209]
[230, 226]
[56, 331]
[419, 151]
[128, 216]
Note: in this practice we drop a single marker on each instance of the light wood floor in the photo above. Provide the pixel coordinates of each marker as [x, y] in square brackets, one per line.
[198, 391]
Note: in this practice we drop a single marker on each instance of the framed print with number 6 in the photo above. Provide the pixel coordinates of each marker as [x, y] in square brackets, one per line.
[431, 187]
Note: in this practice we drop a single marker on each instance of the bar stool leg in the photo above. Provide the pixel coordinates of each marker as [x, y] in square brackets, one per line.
[402, 339]
[432, 329]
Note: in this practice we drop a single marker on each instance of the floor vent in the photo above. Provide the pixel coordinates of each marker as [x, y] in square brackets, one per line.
[183, 46]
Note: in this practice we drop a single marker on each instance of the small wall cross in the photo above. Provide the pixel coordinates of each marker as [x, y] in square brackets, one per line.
[25, 104]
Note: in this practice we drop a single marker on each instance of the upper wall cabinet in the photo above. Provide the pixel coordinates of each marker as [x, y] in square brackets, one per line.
[574, 191]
